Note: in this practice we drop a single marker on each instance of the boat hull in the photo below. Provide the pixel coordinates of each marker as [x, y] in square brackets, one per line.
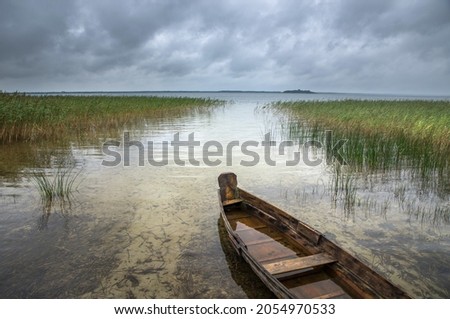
[292, 259]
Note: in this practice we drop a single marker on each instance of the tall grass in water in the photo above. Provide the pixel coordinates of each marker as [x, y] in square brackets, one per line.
[55, 188]
[343, 186]
[381, 135]
[28, 118]
[59, 185]
[394, 140]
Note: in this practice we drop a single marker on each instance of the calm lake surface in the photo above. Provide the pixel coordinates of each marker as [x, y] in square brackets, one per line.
[146, 231]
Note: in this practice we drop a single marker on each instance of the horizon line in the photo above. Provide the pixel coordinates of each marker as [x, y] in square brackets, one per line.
[295, 91]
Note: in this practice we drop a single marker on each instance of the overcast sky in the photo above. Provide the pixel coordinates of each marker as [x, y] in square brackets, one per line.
[341, 46]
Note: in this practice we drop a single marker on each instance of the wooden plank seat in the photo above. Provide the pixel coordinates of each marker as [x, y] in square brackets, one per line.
[262, 241]
[231, 202]
[294, 264]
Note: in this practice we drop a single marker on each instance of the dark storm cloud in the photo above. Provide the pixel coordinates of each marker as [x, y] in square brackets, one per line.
[390, 46]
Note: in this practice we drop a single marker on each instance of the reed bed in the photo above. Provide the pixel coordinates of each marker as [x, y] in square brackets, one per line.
[379, 134]
[399, 140]
[419, 122]
[50, 117]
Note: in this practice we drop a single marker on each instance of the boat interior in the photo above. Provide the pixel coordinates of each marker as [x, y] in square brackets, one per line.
[303, 273]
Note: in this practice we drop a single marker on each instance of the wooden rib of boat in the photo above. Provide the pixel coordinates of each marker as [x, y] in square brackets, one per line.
[291, 258]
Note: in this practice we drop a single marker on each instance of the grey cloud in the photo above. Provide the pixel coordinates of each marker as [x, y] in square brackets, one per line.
[341, 45]
[30, 28]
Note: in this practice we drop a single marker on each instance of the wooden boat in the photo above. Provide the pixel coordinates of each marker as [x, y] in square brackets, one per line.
[291, 258]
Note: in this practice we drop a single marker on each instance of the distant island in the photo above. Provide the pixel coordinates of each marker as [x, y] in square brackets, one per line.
[299, 91]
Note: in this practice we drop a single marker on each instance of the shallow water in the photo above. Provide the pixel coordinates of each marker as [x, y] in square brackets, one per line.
[153, 231]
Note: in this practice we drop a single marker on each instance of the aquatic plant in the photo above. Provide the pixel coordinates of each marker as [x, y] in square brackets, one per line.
[407, 141]
[52, 117]
[59, 185]
[381, 136]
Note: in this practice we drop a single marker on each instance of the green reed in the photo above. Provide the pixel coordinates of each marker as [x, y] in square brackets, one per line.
[385, 140]
[381, 135]
[50, 117]
[59, 185]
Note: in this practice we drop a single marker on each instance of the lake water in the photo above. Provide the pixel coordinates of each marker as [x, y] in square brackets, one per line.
[146, 231]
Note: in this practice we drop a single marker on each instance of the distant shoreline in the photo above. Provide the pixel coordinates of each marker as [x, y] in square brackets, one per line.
[170, 91]
[290, 92]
